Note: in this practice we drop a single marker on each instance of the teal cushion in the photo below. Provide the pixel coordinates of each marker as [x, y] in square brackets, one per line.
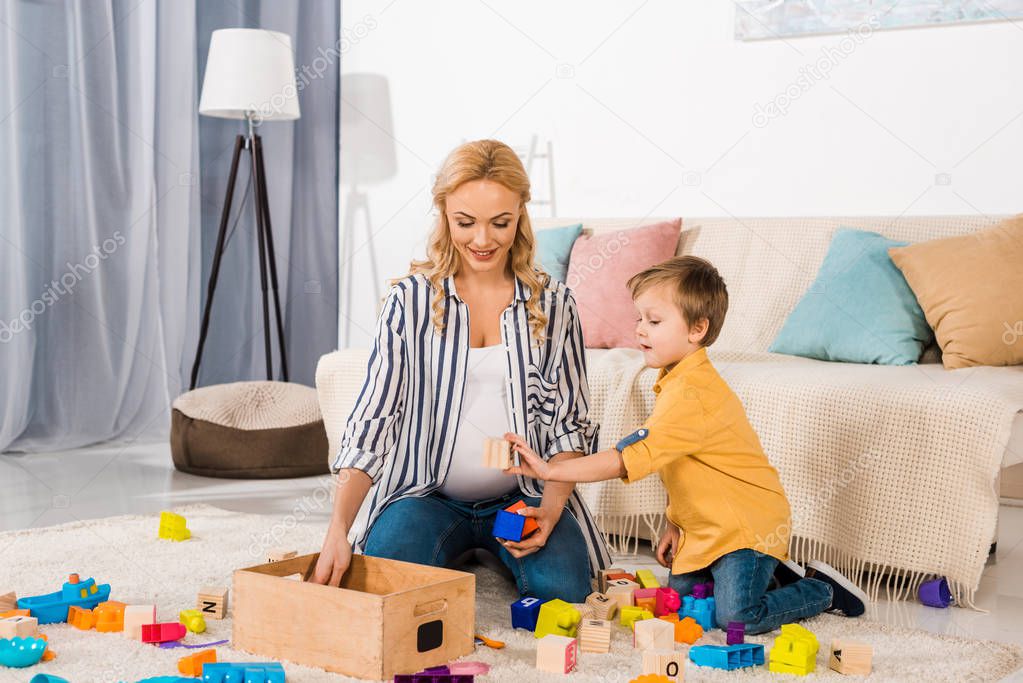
[859, 309]
[553, 247]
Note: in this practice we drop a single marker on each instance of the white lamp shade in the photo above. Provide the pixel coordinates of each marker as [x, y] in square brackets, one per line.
[250, 70]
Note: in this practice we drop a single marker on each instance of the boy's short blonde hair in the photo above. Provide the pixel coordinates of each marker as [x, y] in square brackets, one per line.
[697, 288]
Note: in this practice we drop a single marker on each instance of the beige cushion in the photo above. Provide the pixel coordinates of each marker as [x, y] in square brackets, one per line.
[249, 430]
[971, 290]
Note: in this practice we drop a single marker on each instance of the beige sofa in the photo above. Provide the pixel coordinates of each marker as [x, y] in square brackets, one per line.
[890, 471]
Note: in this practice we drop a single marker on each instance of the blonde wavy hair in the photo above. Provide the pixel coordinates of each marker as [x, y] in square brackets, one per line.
[482, 160]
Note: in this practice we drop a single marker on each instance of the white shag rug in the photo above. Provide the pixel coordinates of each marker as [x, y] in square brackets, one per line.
[126, 553]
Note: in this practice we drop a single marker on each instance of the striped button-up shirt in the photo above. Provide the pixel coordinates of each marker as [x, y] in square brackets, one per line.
[401, 431]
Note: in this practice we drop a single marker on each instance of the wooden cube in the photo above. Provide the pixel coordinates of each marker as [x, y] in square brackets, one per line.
[585, 611]
[653, 634]
[556, 654]
[135, 617]
[212, 602]
[620, 590]
[665, 662]
[388, 617]
[18, 627]
[851, 658]
[602, 578]
[8, 601]
[603, 607]
[497, 453]
[595, 635]
[279, 554]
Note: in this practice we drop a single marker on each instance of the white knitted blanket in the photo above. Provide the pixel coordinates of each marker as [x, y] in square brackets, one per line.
[889, 470]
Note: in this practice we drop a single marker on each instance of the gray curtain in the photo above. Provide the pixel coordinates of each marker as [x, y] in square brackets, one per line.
[110, 199]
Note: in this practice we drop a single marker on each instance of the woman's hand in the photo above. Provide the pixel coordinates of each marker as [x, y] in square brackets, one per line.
[530, 464]
[668, 545]
[546, 518]
[335, 557]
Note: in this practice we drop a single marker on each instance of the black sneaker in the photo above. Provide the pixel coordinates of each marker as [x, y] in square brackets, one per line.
[846, 598]
[787, 572]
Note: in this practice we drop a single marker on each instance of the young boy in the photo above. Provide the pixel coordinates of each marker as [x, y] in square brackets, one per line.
[728, 518]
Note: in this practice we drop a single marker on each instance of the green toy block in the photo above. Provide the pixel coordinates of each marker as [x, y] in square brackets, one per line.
[630, 615]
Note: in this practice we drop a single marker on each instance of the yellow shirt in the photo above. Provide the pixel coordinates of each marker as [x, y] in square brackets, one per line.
[722, 491]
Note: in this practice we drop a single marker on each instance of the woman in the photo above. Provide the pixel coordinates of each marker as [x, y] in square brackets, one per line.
[437, 385]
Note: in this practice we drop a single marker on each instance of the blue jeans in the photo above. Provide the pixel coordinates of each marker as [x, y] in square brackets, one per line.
[436, 530]
[741, 579]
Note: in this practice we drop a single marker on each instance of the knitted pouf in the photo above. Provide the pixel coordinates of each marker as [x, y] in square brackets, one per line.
[249, 430]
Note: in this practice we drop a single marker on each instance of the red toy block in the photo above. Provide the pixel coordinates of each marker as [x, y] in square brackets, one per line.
[162, 633]
[667, 601]
[622, 575]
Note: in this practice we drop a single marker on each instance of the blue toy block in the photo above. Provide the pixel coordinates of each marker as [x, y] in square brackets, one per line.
[727, 657]
[243, 672]
[509, 526]
[525, 612]
[701, 610]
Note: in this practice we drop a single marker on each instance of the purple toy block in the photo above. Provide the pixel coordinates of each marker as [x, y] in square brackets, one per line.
[736, 633]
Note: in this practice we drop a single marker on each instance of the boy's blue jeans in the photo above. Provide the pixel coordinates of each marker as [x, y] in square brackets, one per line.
[741, 579]
[436, 530]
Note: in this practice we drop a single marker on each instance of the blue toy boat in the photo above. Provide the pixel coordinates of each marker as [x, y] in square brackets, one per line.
[52, 607]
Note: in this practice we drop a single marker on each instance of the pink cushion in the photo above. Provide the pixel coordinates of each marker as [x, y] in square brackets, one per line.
[600, 267]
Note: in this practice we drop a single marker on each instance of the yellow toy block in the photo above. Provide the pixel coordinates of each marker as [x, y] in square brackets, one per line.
[172, 526]
[630, 615]
[647, 579]
[794, 651]
[557, 618]
[193, 620]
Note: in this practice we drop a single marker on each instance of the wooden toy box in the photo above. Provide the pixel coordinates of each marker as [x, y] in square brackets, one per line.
[387, 618]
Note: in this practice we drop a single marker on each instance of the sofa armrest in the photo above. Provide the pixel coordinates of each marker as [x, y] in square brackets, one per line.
[339, 377]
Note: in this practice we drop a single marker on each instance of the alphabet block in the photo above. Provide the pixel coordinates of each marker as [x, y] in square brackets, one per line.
[595, 635]
[851, 658]
[556, 654]
[665, 662]
[213, 602]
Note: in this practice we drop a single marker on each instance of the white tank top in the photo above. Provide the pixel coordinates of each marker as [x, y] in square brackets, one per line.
[484, 414]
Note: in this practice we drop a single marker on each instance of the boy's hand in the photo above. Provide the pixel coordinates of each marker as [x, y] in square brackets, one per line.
[668, 545]
[546, 518]
[530, 464]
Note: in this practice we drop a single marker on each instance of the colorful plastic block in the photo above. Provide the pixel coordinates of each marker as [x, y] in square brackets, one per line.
[727, 657]
[173, 527]
[666, 601]
[192, 620]
[623, 576]
[191, 665]
[556, 654]
[646, 578]
[511, 526]
[18, 653]
[18, 627]
[80, 618]
[52, 607]
[437, 674]
[666, 663]
[645, 598]
[628, 616]
[525, 612]
[558, 618]
[469, 668]
[213, 602]
[651, 678]
[653, 634]
[736, 633]
[688, 631]
[15, 613]
[851, 658]
[703, 590]
[109, 616]
[162, 633]
[135, 616]
[250, 672]
[794, 651]
[700, 609]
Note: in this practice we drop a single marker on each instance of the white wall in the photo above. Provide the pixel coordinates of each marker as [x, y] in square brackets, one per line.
[655, 114]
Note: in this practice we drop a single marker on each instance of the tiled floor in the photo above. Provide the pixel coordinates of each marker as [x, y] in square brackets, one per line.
[40, 490]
